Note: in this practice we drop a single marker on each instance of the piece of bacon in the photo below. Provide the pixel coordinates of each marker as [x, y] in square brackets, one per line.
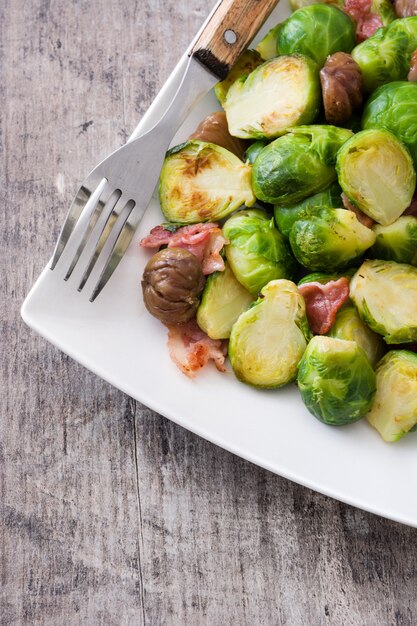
[412, 74]
[412, 209]
[191, 349]
[323, 302]
[367, 23]
[360, 215]
[205, 241]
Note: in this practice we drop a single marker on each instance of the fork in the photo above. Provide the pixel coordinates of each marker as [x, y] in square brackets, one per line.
[112, 200]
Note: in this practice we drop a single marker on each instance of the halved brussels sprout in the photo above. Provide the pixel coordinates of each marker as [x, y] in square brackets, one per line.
[349, 326]
[330, 239]
[298, 165]
[394, 412]
[223, 300]
[316, 30]
[285, 217]
[257, 252]
[253, 151]
[268, 340]
[246, 63]
[394, 107]
[385, 295]
[203, 182]
[396, 242]
[385, 56]
[336, 380]
[267, 48]
[376, 173]
[281, 93]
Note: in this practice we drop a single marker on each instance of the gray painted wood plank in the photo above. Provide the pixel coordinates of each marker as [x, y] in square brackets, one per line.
[111, 514]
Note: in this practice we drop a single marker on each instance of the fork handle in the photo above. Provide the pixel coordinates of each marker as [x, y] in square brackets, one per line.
[230, 29]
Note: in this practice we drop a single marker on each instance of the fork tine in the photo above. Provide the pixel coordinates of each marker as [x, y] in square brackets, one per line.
[106, 228]
[83, 196]
[124, 230]
[103, 204]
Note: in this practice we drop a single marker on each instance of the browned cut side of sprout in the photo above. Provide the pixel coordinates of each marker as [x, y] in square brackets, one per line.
[405, 8]
[412, 74]
[214, 129]
[172, 283]
[341, 83]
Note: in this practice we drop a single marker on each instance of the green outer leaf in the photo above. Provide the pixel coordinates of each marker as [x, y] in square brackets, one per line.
[316, 30]
[396, 242]
[336, 381]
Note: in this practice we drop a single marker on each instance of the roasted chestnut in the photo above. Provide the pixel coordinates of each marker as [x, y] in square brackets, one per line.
[341, 82]
[172, 283]
[214, 129]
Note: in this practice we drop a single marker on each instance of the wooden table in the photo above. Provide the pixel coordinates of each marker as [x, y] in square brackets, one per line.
[111, 514]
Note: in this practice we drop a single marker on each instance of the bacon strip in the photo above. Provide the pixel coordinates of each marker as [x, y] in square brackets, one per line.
[191, 349]
[323, 302]
[367, 23]
[205, 241]
[360, 215]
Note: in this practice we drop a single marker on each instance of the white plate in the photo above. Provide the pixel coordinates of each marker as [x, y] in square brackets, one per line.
[118, 340]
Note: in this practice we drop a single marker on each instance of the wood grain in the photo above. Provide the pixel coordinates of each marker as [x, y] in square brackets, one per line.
[109, 513]
[229, 32]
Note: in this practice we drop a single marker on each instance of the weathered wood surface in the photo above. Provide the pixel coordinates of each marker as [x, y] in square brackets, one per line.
[111, 514]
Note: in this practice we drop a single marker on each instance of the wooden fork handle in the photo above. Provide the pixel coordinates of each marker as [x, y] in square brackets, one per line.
[229, 31]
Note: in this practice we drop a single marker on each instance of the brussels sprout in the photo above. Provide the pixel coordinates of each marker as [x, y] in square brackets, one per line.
[349, 326]
[298, 165]
[299, 4]
[202, 182]
[257, 252]
[281, 93]
[396, 242]
[394, 412]
[268, 340]
[246, 63]
[385, 10]
[330, 239]
[267, 48]
[253, 151]
[336, 380]
[376, 173]
[385, 295]
[316, 30]
[286, 216]
[224, 299]
[385, 57]
[394, 107]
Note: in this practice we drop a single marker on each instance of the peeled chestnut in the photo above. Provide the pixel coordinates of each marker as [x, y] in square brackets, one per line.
[341, 83]
[172, 283]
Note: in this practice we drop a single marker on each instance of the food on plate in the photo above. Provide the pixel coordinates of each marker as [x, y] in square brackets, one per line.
[394, 107]
[323, 300]
[336, 380]
[369, 15]
[394, 411]
[268, 340]
[172, 284]
[277, 95]
[286, 216]
[290, 244]
[223, 300]
[386, 56]
[214, 129]
[330, 239]
[246, 63]
[376, 172]
[298, 165]
[341, 85]
[396, 242]
[317, 31]
[202, 182]
[257, 252]
[349, 326]
[385, 295]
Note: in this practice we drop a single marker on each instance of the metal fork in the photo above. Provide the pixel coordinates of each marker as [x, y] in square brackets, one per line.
[112, 199]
